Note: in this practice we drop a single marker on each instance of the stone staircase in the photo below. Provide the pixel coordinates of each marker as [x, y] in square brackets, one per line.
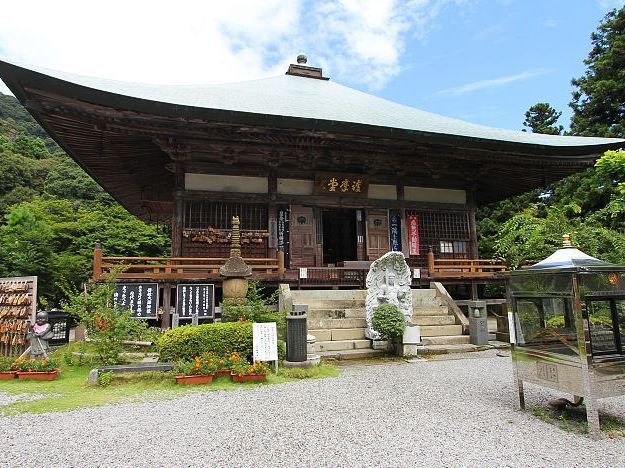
[337, 320]
[439, 331]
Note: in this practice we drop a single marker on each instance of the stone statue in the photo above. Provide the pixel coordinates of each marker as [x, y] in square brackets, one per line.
[39, 335]
[388, 282]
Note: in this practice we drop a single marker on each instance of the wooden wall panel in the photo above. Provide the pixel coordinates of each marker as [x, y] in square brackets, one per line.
[302, 237]
[378, 242]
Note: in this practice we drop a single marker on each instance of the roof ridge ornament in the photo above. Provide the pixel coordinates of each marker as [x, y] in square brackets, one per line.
[301, 69]
[566, 241]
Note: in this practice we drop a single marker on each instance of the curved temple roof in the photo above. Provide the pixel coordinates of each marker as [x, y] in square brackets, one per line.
[321, 100]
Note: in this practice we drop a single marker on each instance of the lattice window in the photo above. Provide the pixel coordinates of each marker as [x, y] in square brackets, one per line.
[446, 232]
[218, 215]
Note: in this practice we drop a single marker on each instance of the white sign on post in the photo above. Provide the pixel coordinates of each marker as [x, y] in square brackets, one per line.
[265, 342]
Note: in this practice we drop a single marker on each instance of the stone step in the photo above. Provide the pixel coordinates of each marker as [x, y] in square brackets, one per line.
[351, 354]
[427, 303]
[440, 310]
[441, 330]
[446, 340]
[330, 304]
[327, 324]
[434, 319]
[338, 334]
[337, 313]
[450, 348]
[342, 345]
[423, 293]
[329, 294]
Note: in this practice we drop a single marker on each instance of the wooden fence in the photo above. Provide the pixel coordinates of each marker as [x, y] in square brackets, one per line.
[181, 268]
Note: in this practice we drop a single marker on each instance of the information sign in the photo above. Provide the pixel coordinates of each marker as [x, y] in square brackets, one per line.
[413, 234]
[265, 341]
[395, 232]
[194, 299]
[140, 298]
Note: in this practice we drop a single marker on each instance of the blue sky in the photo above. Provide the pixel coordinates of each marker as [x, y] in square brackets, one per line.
[485, 61]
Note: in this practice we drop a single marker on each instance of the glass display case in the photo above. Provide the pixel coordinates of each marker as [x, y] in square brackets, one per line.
[567, 327]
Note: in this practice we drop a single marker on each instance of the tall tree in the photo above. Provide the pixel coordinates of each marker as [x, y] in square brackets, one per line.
[542, 118]
[599, 101]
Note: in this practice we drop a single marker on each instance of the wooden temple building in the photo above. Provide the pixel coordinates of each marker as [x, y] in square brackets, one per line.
[324, 178]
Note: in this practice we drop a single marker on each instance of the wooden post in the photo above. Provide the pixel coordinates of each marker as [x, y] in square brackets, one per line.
[281, 268]
[97, 261]
[166, 320]
[431, 262]
[473, 250]
[177, 218]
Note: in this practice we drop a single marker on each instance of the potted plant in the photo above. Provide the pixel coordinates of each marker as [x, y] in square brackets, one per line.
[198, 371]
[36, 369]
[5, 369]
[242, 371]
[223, 366]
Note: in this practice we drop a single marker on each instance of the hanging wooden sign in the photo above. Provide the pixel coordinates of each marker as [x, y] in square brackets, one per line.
[413, 234]
[341, 185]
[395, 231]
[192, 299]
[140, 298]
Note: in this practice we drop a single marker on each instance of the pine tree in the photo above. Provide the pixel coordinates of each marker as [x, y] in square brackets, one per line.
[542, 118]
[599, 101]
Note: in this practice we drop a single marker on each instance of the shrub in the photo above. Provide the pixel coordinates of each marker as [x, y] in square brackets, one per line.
[5, 364]
[108, 326]
[256, 309]
[105, 378]
[186, 342]
[388, 321]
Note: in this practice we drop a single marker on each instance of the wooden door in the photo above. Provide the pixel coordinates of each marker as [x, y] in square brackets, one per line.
[377, 233]
[302, 237]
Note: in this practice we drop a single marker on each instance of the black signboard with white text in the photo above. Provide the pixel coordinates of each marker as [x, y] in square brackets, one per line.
[195, 299]
[140, 298]
[283, 230]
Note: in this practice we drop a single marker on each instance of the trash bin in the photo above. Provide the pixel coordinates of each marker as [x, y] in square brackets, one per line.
[478, 323]
[296, 334]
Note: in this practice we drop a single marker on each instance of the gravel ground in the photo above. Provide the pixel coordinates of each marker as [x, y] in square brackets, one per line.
[6, 399]
[456, 412]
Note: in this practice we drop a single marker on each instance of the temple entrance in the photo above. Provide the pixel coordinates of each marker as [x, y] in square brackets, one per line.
[339, 235]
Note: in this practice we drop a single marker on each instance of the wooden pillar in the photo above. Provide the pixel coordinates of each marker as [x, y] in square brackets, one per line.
[430, 262]
[281, 268]
[473, 250]
[405, 247]
[177, 218]
[97, 261]
[272, 215]
[166, 320]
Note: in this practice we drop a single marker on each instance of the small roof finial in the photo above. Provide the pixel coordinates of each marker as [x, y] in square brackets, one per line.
[302, 59]
[566, 240]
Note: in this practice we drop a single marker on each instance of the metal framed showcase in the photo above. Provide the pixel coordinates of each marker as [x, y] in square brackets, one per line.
[568, 328]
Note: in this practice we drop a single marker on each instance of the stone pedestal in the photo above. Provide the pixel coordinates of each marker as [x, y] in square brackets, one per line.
[411, 340]
[235, 288]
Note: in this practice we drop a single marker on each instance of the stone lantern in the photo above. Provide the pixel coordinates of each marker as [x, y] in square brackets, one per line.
[235, 271]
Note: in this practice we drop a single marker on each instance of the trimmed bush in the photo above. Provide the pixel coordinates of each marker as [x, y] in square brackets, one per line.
[186, 342]
[388, 321]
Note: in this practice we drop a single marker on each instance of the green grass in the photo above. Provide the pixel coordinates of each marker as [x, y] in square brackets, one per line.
[574, 420]
[71, 391]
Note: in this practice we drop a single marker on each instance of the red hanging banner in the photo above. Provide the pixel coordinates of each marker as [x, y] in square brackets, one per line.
[413, 234]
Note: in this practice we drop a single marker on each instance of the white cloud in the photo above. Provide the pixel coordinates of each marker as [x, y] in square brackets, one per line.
[357, 41]
[610, 4]
[491, 83]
